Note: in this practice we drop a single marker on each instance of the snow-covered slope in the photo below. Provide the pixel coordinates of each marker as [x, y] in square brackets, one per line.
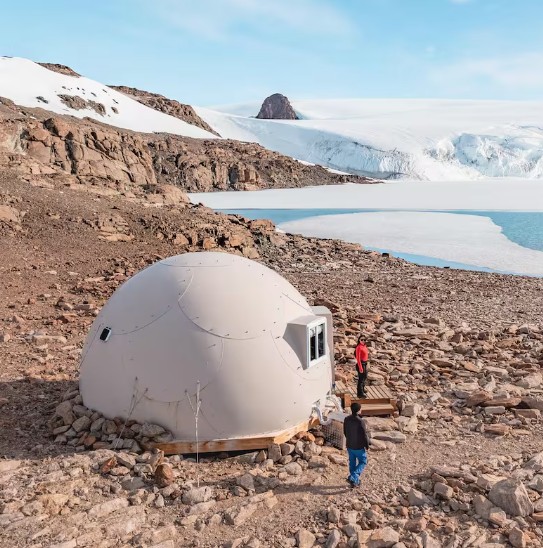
[31, 85]
[413, 138]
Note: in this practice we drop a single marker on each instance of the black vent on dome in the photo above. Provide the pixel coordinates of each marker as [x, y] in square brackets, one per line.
[106, 333]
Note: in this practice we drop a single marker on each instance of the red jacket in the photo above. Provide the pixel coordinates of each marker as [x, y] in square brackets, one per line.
[362, 356]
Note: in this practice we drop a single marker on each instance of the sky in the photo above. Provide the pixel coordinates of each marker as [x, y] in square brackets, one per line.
[213, 52]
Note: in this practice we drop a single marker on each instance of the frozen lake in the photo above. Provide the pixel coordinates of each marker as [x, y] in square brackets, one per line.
[492, 225]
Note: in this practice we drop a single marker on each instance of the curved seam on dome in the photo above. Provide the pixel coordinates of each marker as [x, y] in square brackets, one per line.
[218, 334]
[186, 287]
[284, 360]
[187, 396]
[84, 357]
[196, 265]
[209, 422]
[143, 326]
[178, 402]
[300, 305]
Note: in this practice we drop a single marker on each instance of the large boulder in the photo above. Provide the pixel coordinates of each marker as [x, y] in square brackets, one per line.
[510, 495]
[277, 107]
[164, 475]
[305, 538]
[383, 538]
[535, 463]
[417, 498]
[196, 495]
[10, 215]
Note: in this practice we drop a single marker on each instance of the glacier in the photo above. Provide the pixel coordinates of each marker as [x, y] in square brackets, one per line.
[423, 139]
[517, 154]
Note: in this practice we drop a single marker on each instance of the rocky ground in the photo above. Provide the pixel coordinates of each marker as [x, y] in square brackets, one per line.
[461, 464]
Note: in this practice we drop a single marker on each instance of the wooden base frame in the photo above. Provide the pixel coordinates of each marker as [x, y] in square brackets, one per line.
[237, 444]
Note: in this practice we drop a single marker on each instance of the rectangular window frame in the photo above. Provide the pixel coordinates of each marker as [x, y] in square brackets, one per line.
[319, 352]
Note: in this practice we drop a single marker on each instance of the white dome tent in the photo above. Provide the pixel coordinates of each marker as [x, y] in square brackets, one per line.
[261, 357]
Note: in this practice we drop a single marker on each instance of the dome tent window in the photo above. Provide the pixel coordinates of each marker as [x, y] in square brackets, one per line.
[317, 342]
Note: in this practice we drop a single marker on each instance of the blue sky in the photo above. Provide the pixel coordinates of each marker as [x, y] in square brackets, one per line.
[208, 52]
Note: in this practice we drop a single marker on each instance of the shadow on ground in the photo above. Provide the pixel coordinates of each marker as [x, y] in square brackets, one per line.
[28, 406]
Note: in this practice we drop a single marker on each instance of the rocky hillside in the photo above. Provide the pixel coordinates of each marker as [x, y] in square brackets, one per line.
[277, 107]
[89, 152]
[168, 106]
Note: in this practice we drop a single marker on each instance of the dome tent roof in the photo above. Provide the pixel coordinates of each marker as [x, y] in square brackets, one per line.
[210, 318]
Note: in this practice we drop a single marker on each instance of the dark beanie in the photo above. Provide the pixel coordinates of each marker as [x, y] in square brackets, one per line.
[355, 408]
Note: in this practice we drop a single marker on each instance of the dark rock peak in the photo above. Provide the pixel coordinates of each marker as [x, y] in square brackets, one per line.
[277, 107]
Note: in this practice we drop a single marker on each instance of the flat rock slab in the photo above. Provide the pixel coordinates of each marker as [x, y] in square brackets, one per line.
[392, 436]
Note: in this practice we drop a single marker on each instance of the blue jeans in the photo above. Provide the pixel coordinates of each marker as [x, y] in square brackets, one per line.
[357, 462]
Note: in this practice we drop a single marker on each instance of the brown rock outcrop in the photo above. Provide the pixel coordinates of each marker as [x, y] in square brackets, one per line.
[88, 152]
[277, 107]
[136, 162]
[78, 103]
[62, 69]
[165, 105]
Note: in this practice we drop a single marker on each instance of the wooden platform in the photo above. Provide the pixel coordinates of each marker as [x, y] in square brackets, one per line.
[379, 400]
[237, 444]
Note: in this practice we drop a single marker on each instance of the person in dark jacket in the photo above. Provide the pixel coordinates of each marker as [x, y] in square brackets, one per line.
[357, 444]
[361, 354]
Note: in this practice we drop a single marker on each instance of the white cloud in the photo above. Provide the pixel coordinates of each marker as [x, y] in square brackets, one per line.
[519, 73]
[222, 19]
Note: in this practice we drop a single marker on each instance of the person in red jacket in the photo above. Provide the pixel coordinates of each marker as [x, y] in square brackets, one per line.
[361, 353]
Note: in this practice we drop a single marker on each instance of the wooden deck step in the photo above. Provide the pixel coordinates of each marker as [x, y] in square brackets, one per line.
[376, 409]
[379, 400]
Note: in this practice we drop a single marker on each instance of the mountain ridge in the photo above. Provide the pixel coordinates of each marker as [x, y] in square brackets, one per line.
[378, 138]
[40, 143]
